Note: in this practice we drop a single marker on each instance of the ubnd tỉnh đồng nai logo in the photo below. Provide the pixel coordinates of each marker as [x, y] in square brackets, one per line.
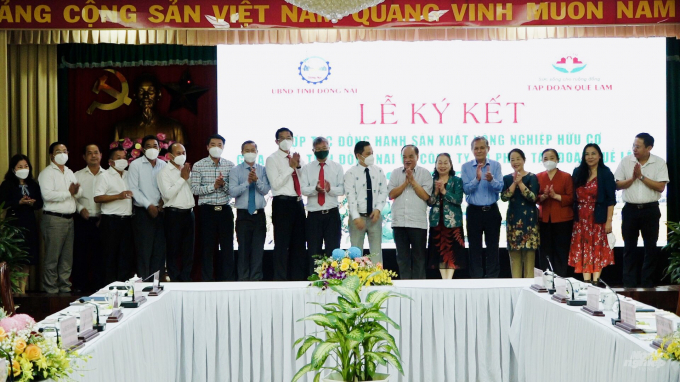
[314, 70]
[569, 64]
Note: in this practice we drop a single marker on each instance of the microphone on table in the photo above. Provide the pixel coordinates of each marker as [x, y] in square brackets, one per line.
[618, 301]
[43, 329]
[159, 282]
[552, 290]
[99, 327]
[8, 355]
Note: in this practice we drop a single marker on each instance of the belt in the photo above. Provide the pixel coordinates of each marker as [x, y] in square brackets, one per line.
[245, 211]
[178, 210]
[364, 215]
[289, 198]
[117, 217]
[643, 205]
[483, 208]
[215, 208]
[64, 216]
[323, 212]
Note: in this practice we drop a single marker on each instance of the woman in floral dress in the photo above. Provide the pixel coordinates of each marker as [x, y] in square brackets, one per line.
[594, 200]
[446, 218]
[519, 190]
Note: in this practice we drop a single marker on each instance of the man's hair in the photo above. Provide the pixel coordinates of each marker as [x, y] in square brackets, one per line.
[646, 138]
[248, 143]
[215, 136]
[115, 150]
[53, 145]
[480, 138]
[319, 140]
[148, 138]
[360, 146]
[282, 130]
[414, 147]
[88, 145]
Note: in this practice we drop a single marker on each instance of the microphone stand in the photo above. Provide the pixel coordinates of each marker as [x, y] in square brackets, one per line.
[618, 301]
[573, 301]
[99, 327]
[552, 290]
[51, 327]
[11, 369]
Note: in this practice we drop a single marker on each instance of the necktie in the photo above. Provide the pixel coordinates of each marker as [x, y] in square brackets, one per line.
[369, 193]
[296, 181]
[322, 183]
[251, 197]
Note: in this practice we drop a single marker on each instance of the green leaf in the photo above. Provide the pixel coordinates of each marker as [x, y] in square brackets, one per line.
[380, 316]
[306, 345]
[322, 351]
[304, 370]
[330, 307]
[317, 377]
[370, 369]
[356, 335]
[375, 357]
[348, 293]
[393, 360]
[352, 282]
[382, 334]
[319, 319]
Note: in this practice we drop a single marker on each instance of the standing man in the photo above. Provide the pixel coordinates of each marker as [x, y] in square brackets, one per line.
[178, 204]
[642, 176]
[248, 184]
[288, 210]
[59, 188]
[113, 192]
[147, 220]
[408, 188]
[87, 242]
[217, 218]
[482, 183]
[322, 183]
[366, 189]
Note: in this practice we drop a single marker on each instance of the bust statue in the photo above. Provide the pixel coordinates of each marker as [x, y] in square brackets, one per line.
[147, 93]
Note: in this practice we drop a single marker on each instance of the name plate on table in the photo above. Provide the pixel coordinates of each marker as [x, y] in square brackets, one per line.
[539, 284]
[628, 323]
[593, 302]
[87, 331]
[115, 316]
[666, 325]
[156, 288]
[69, 334]
[560, 290]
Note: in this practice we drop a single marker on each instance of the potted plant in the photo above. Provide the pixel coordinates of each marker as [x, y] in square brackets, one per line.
[12, 250]
[673, 250]
[354, 335]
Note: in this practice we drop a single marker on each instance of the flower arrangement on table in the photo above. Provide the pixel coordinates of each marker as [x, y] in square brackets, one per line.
[345, 263]
[133, 150]
[34, 357]
[670, 348]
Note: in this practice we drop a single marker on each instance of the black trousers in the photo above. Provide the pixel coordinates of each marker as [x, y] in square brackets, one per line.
[217, 227]
[251, 232]
[118, 257]
[411, 252]
[290, 256]
[555, 244]
[87, 264]
[322, 228]
[486, 222]
[179, 236]
[635, 221]
[149, 234]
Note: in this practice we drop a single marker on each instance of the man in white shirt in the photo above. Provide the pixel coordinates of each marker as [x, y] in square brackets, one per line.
[59, 188]
[178, 203]
[288, 210]
[642, 176]
[407, 187]
[322, 183]
[113, 192]
[87, 241]
[366, 190]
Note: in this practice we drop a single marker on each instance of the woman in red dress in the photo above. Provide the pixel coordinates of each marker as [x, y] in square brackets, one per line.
[594, 200]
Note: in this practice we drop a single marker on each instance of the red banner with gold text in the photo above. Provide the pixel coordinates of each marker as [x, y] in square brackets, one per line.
[263, 14]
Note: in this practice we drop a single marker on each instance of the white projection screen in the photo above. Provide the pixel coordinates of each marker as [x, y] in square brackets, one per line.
[530, 95]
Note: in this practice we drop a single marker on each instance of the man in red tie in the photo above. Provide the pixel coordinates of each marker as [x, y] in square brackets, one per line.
[322, 182]
[288, 210]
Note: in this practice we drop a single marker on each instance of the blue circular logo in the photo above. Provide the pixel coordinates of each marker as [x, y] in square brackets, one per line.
[314, 70]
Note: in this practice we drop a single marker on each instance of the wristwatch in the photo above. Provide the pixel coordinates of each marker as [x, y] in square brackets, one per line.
[642, 177]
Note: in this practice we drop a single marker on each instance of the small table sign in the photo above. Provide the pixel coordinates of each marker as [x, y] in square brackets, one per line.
[87, 331]
[560, 290]
[666, 325]
[539, 284]
[628, 323]
[593, 302]
[156, 289]
[115, 316]
[69, 334]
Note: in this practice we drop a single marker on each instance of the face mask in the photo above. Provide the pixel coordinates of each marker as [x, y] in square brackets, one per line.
[21, 174]
[369, 160]
[61, 158]
[151, 154]
[250, 157]
[550, 165]
[215, 152]
[180, 159]
[321, 155]
[285, 144]
[120, 164]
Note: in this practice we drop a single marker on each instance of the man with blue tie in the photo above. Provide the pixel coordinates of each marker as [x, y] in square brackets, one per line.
[482, 183]
[248, 184]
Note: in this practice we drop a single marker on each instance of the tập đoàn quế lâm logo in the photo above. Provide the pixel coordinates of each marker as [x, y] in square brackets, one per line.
[569, 64]
[314, 70]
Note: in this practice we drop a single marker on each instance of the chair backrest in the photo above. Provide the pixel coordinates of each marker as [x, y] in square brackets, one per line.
[6, 290]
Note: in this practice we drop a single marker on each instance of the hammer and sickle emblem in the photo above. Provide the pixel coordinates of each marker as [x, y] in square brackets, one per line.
[120, 96]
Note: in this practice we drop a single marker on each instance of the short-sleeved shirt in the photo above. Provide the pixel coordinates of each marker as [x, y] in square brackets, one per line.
[408, 210]
[655, 169]
[112, 183]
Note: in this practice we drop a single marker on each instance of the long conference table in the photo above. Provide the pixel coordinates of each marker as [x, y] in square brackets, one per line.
[452, 330]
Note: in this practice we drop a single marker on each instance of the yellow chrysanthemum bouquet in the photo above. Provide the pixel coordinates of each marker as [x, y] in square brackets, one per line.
[345, 263]
[670, 348]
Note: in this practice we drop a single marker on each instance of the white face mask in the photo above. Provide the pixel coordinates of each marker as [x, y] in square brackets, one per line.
[120, 164]
[250, 157]
[550, 165]
[215, 152]
[21, 174]
[369, 160]
[285, 144]
[180, 159]
[151, 154]
[61, 158]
